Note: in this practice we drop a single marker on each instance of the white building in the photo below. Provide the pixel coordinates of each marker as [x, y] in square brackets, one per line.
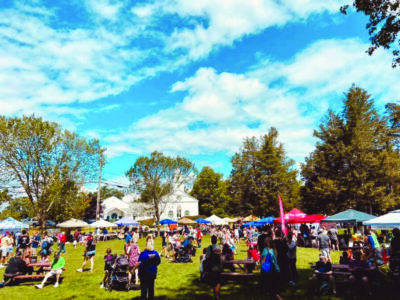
[173, 206]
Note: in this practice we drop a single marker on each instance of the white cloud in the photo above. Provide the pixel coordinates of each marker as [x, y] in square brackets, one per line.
[220, 109]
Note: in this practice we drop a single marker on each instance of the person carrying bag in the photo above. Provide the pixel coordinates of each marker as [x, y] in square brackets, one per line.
[269, 275]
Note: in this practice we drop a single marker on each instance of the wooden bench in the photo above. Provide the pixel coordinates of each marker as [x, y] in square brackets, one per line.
[235, 275]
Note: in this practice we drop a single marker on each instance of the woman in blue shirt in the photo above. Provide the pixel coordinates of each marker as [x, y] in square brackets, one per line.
[148, 261]
[269, 282]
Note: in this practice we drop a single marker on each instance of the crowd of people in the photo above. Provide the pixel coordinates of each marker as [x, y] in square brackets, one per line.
[272, 249]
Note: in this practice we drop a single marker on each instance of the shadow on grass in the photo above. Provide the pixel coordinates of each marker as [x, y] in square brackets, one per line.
[250, 290]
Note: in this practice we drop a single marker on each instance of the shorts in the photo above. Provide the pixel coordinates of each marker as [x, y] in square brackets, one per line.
[325, 252]
[55, 272]
[214, 278]
[4, 251]
[90, 253]
[164, 244]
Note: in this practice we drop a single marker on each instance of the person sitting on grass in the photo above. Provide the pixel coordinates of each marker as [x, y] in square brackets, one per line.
[323, 272]
[16, 266]
[358, 268]
[56, 269]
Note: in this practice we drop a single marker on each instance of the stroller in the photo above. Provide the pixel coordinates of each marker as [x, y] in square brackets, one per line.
[119, 278]
[184, 254]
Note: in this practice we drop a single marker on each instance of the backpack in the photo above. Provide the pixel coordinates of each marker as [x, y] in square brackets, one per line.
[266, 266]
[212, 263]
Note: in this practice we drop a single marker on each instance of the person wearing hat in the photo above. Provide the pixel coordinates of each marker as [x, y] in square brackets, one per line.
[16, 266]
[323, 272]
[57, 266]
[148, 261]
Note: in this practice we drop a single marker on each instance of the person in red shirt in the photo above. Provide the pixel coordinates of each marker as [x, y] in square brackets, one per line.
[63, 240]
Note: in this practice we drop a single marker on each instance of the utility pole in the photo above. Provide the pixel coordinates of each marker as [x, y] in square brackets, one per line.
[101, 163]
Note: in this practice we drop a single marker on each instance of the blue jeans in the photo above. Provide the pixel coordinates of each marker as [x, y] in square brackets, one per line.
[62, 248]
[293, 271]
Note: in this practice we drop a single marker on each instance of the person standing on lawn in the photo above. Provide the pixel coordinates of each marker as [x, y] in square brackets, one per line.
[57, 266]
[23, 243]
[89, 253]
[214, 257]
[324, 244]
[63, 240]
[133, 252]
[148, 261]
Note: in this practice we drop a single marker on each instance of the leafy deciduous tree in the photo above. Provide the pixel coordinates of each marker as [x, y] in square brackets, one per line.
[44, 159]
[155, 176]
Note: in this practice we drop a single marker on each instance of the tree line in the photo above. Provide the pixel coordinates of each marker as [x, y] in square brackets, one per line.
[355, 163]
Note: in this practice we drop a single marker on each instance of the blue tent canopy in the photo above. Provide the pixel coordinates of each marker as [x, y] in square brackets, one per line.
[202, 221]
[253, 224]
[126, 221]
[268, 220]
[168, 222]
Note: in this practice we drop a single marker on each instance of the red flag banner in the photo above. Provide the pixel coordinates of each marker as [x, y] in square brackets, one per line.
[282, 215]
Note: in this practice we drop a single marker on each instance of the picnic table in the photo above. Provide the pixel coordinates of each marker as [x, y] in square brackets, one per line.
[239, 269]
[34, 275]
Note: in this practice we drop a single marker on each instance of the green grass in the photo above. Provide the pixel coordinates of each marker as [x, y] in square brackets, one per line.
[174, 281]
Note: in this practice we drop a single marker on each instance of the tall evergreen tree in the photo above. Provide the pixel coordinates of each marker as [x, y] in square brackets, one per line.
[352, 161]
[260, 172]
[210, 189]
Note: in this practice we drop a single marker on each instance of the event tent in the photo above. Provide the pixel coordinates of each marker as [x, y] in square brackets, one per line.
[102, 224]
[229, 220]
[253, 224]
[349, 216]
[126, 221]
[292, 217]
[73, 223]
[388, 221]
[202, 221]
[251, 218]
[216, 220]
[168, 222]
[186, 221]
[266, 220]
[12, 225]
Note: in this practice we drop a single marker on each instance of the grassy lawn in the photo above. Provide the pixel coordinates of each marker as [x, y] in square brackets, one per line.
[174, 281]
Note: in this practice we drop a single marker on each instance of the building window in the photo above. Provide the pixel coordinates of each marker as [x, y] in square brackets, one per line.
[187, 213]
[179, 212]
[114, 216]
[170, 214]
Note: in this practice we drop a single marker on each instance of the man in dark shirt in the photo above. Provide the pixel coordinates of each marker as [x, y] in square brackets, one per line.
[16, 266]
[395, 242]
[23, 242]
[323, 271]
[260, 240]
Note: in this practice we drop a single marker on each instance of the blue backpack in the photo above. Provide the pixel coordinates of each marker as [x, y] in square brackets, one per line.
[267, 264]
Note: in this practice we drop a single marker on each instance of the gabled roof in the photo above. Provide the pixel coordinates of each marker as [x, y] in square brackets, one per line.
[114, 202]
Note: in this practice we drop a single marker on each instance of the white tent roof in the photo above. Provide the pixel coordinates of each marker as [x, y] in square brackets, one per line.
[102, 224]
[72, 224]
[389, 220]
[216, 220]
[11, 223]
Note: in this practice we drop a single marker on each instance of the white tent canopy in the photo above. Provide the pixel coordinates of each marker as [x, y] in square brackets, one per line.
[11, 224]
[216, 220]
[389, 220]
[102, 224]
[73, 223]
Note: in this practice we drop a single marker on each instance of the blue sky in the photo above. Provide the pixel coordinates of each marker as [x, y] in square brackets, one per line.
[189, 78]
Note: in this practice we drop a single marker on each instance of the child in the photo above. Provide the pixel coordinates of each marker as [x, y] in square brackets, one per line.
[344, 259]
[384, 254]
[202, 259]
[108, 266]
